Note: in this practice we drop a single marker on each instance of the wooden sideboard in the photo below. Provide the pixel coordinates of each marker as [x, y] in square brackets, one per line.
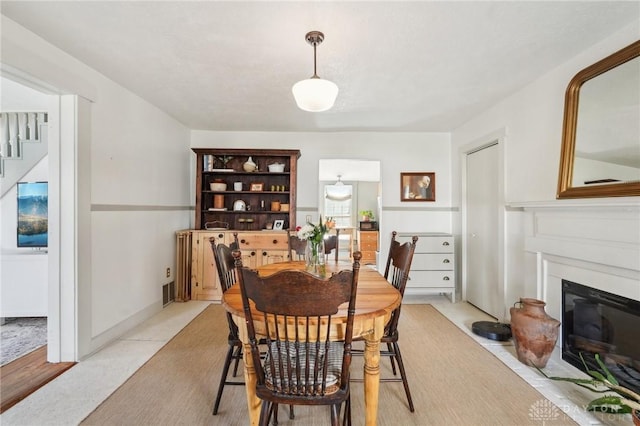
[433, 265]
[368, 243]
[201, 276]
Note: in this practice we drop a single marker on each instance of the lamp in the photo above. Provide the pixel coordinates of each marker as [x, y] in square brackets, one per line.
[338, 191]
[315, 94]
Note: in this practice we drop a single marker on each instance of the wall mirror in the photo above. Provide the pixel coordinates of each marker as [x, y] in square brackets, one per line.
[600, 154]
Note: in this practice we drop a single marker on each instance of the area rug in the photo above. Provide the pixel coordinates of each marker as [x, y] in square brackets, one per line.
[454, 381]
[21, 336]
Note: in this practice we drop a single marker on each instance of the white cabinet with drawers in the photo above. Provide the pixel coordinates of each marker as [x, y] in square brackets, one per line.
[433, 265]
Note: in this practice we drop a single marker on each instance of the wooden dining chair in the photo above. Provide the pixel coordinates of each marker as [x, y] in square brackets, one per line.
[296, 247]
[397, 273]
[225, 265]
[332, 243]
[303, 366]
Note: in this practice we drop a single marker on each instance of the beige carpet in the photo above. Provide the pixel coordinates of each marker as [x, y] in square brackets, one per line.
[454, 381]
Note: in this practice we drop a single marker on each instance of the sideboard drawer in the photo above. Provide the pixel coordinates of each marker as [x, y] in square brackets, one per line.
[263, 240]
[431, 278]
[432, 261]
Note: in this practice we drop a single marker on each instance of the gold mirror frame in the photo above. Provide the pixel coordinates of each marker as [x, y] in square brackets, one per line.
[572, 96]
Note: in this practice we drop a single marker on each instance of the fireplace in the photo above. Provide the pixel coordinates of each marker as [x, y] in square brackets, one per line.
[597, 322]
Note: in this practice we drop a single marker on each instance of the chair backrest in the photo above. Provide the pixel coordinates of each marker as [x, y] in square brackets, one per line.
[296, 247]
[302, 364]
[332, 242]
[397, 272]
[225, 265]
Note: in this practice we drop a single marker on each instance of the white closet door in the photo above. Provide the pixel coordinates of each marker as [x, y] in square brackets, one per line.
[482, 231]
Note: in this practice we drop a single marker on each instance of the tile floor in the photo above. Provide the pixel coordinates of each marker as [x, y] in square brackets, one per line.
[71, 397]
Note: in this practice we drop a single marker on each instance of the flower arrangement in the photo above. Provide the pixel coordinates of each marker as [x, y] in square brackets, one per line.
[315, 233]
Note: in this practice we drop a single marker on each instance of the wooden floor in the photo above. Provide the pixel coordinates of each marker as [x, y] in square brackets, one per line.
[25, 375]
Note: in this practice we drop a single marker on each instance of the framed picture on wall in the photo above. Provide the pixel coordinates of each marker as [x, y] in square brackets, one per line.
[417, 186]
[33, 214]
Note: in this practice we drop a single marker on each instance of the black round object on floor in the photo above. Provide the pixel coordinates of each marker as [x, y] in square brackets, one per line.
[492, 330]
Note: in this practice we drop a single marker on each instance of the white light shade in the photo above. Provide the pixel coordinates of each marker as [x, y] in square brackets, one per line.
[315, 94]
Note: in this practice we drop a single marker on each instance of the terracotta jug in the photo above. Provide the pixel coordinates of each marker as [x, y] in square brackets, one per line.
[534, 332]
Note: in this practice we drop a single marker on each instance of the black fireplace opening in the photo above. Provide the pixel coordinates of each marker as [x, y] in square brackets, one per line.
[598, 322]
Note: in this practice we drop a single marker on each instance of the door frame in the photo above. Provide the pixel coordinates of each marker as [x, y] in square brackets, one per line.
[62, 313]
[495, 138]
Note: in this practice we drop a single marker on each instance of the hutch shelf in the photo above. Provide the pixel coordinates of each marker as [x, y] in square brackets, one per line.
[262, 199]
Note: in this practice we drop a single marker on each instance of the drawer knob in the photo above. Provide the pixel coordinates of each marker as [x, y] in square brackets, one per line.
[445, 279]
[220, 235]
[243, 241]
[253, 253]
[446, 243]
[264, 253]
[446, 261]
[275, 241]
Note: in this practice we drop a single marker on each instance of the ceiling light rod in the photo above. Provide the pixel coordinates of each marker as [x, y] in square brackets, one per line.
[315, 94]
[314, 38]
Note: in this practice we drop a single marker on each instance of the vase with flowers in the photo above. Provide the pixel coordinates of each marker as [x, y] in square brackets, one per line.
[314, 252]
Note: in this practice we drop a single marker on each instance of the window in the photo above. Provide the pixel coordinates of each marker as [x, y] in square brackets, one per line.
[338, 200]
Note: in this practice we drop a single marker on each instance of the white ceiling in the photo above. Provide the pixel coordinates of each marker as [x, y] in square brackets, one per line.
[400, 66]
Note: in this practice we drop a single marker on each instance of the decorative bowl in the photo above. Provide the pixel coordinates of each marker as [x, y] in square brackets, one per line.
[276, 168]
[216, 186]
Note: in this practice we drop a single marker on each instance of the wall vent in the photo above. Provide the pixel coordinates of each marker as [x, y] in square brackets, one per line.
[168, 293]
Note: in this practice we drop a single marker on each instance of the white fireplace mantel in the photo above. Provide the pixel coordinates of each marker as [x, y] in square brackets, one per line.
[605, 233]
[592, 242]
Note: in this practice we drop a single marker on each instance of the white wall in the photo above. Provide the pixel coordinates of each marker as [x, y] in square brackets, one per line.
[137, 161]
[397, 152]
[532, 119]
[23, 271]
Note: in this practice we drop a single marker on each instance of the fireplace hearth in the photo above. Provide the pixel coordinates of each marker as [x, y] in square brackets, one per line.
[598, 322]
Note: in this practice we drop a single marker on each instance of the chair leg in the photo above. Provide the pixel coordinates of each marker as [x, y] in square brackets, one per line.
[237, 355]
[393, 364]
[335, 414]
[265, 413]
[223, 378]
[346, 419]
[398, 356]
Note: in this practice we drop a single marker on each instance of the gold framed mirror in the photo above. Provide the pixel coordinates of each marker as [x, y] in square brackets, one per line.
[600, 154]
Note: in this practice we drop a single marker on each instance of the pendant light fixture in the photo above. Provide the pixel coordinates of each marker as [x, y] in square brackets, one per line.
[315, 94]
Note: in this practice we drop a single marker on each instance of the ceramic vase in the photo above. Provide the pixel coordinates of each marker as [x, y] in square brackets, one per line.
[534, 332]
[314, 257]
[249, 165]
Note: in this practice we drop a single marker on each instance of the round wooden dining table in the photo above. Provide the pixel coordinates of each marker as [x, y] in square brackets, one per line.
[376, 298]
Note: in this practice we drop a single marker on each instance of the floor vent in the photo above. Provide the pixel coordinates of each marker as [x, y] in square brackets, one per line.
[168, 293]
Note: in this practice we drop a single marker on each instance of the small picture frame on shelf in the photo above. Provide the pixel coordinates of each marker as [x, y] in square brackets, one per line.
[256, 187]
[278, 225]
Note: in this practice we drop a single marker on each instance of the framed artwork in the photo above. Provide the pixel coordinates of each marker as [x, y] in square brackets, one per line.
[278, 224]
[256, 187]
[418, 186]
[33, 214]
